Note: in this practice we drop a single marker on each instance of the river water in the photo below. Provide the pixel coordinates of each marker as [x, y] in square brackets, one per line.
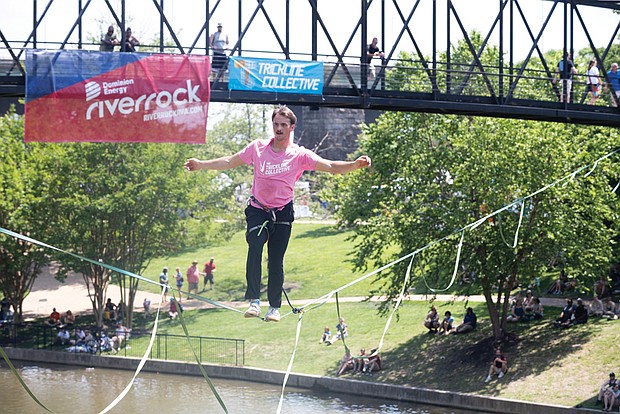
[89, 390]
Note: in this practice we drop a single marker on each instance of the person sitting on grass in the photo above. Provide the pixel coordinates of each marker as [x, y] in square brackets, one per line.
[372, 363]
[122, 334]
[556, 286]
[611, 398]
[499, 366]
[517, 312]
[54, 318]
[341, 332]
[446, 324]
[527, 300]
[173, 312]
[469, 322]
[537, 310]
[68, 318]
[607, 385]
[346, 363]
[359, 361]
[610, 309]
[63, 337]
[601, 288]
[581, 313]
[432, 320]
[566, 315]
[595, 308]
[327, 334]
[79, 335]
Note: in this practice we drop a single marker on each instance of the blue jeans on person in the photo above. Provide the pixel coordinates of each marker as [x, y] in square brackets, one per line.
[274, 228]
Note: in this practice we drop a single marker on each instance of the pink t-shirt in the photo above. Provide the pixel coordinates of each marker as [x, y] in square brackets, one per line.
[192, 274]
[275, 173]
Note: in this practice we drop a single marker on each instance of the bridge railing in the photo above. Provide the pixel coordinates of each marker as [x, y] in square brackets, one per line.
[467, 79]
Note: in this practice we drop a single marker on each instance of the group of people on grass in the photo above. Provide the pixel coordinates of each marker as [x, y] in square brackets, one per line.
[193, 279]
[58, 321]
[572, 314]
[446, 325]
[342, 331]
[363, 363]
[525, 308]
[82, 341]
[113, 312]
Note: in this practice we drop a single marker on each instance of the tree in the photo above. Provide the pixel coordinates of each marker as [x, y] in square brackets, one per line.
[21, 211]
[120, 204]
[434, 175]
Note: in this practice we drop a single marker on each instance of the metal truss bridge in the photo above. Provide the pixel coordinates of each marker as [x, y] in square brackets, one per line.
[432, 61]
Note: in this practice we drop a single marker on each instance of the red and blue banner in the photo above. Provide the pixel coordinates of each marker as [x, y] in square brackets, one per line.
[275, 75]
[116, 97]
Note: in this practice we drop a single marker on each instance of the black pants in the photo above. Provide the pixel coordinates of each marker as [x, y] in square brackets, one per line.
[276, 233]
[219, 60]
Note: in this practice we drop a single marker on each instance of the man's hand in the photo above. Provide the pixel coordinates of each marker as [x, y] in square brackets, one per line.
[192, 164]
[363, 161]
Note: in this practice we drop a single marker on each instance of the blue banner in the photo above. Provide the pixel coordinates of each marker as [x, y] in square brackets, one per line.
[274, 75]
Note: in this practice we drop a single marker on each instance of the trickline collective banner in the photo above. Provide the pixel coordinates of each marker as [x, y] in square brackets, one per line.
[116, 97]
[274, 75]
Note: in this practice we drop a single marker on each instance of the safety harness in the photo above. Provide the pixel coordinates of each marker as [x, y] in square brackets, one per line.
[272, 216]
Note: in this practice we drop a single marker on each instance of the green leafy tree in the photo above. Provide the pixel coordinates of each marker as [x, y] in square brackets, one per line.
[121, 204]
[21, 211]
[434, 175]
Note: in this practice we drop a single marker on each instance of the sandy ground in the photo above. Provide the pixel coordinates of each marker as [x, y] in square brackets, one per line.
[48, 293]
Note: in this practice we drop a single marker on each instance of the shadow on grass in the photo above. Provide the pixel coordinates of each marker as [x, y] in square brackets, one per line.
[324, 231]
[226, 290]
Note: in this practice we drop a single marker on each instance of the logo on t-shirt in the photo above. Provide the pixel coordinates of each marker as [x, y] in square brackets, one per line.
[269, 168]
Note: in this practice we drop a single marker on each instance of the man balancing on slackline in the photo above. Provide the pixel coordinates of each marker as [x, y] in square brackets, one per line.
[278, 164]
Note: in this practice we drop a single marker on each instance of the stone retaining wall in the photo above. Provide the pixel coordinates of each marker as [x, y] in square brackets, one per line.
[344, 386]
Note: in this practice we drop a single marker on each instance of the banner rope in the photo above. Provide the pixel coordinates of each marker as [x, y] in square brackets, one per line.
[289, 368]
[142, 360]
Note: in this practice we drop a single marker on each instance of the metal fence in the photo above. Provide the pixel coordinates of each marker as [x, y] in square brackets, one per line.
[165, 347]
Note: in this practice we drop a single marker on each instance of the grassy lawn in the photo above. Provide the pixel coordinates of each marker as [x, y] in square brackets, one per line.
[315, 263]
[546, 364]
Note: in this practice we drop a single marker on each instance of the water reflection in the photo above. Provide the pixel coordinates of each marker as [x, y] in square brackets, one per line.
[89, 390]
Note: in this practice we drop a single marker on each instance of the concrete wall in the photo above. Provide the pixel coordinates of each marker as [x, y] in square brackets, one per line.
[340, 127]
[345, 386]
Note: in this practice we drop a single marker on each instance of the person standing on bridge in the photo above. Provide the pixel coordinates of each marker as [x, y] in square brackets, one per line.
[278, 163]
[218, 42]
[130, 42]
[614, 84]
[565, 71]
[593, 83]
[109, 40]
[372, 51]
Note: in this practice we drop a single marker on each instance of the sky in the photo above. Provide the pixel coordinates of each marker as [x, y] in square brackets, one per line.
[340, 17]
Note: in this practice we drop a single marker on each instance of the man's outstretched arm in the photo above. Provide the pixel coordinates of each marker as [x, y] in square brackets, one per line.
[222, 163]
[342, 167]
